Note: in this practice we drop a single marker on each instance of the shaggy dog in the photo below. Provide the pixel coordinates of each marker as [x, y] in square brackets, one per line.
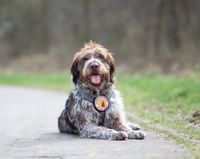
[94, 109]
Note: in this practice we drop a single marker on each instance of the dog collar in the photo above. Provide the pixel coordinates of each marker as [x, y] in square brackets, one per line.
[101, 103]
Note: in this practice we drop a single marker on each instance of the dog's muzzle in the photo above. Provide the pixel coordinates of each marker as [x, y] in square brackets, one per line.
[95, 77]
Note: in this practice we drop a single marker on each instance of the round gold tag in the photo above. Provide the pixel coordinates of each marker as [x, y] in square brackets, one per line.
[101, 103]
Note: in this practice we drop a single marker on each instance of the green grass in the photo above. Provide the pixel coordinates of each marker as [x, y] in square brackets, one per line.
[164, 100]
[52, 81]
[168, 101]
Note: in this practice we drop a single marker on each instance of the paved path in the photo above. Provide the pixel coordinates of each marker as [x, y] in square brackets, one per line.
[28, 129]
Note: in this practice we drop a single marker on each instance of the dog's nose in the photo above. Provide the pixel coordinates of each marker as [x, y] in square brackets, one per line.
[94, 65]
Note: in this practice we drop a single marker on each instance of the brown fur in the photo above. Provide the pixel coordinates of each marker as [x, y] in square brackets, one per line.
[80, 116]
[92, 48]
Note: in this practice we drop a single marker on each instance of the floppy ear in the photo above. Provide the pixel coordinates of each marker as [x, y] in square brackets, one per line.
[75, 71]
[112, 67]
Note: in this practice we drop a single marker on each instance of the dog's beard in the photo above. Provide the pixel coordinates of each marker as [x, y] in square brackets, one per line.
[95, 79]
[96, 84]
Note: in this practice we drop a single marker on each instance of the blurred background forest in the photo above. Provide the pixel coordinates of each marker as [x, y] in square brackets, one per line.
[43, 35]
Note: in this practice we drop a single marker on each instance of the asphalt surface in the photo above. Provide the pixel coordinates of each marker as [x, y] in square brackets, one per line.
[28, 129]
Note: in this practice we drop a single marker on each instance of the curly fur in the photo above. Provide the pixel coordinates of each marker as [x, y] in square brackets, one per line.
[80, 116]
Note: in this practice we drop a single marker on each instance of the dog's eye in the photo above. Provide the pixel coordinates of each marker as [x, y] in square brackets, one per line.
[107, 66]
[86, 58]
[100, 56]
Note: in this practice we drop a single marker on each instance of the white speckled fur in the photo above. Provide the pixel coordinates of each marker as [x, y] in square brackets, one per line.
[81, 117]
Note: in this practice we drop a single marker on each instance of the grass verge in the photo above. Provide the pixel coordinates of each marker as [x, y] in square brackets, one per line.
[167, 102]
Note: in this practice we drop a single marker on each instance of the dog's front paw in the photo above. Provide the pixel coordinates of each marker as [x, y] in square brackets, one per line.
[136, 135]
[120, 136]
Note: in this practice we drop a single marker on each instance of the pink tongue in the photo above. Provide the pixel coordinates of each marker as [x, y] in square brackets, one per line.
[95, 79]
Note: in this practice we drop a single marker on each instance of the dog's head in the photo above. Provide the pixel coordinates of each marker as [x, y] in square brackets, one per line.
[93, 65]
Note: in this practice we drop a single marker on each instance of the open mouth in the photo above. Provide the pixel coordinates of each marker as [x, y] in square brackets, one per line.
[95, 79]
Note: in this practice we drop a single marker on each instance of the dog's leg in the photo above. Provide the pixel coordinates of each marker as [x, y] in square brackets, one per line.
[64, 125]
[98, 132]
[136, 135]
[119, 126]
[132, 134]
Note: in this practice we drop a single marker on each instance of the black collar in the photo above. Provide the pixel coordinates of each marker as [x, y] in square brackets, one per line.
[90, 97]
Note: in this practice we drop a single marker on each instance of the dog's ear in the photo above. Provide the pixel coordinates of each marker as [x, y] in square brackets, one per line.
[75, 70]
[112, 67]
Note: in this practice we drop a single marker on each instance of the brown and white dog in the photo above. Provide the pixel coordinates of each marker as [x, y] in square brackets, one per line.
[94, 109]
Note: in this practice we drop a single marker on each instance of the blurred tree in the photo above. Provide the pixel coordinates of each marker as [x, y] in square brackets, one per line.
[159, 31]
[45, 25]
[86, 19]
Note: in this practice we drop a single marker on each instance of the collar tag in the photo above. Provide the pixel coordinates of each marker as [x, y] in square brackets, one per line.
[101, 103]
